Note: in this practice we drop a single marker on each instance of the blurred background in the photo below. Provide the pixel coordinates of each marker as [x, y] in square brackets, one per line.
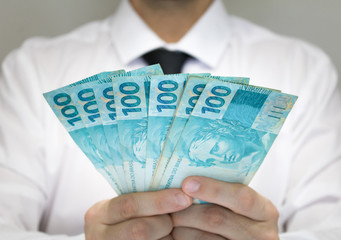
[316, 21]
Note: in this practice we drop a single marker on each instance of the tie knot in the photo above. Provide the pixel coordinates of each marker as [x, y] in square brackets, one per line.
[170, 61]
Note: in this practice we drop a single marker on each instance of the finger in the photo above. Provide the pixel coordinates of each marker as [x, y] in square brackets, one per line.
[222, 221]
[156, 227]
[135, 205]
[237, 197]
[216, 220]
[168, 237]
[184, 233]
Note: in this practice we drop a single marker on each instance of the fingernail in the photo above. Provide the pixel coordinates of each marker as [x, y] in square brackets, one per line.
[191, 186]
[181, 199]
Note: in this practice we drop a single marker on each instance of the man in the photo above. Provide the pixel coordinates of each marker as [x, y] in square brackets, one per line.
[47, 184]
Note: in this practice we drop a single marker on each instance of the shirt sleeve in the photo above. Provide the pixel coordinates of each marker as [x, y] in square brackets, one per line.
[21, 208]
[23, 175]
[312, 207]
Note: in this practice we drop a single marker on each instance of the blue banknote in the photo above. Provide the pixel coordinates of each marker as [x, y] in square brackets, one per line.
[228, 134]
[106, 104]
[131, 94]
[66, 111]
[154, 69]
[83, 95]
[165, 92]
[191, 93]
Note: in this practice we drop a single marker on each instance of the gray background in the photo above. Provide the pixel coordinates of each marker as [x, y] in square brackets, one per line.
[316, 21]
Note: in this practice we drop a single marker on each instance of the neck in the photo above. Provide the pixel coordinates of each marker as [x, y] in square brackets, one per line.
[170, 19]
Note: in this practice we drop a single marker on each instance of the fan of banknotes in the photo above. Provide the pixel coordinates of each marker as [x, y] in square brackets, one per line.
[146, 131]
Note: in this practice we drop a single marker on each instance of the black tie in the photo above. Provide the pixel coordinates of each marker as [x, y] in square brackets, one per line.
[170, 61]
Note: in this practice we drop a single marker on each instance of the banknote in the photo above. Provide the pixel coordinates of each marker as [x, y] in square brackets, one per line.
[191, 93]
[150, 132]
[165, 91]
[154, 69]
[64, 108]
[131, 94]
[228, 134]
[106, 104]
[83, 94]
[97, 77]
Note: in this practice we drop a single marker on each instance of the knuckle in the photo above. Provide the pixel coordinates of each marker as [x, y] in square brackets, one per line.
[215, 192]
[90, 237]
[270, 235]
[181, 233]
[88, 234]
[167, 238]
[177, 233]
[167, 223]
[214, 216]
[176, 218]
[90, 216]
[274, 212]
[245, 198]
[265, 231]
[95, 232]
[129, 207]
[271, 211]
[139, 230]
[200, 235]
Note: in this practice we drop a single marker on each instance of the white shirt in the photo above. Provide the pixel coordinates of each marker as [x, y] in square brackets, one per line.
[47, 183]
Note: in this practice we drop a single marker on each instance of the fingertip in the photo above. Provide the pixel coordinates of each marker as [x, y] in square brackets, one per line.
[191, 185]
[176, 200]
[182, 199]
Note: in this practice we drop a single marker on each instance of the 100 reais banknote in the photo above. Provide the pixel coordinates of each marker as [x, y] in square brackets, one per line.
[146, 131]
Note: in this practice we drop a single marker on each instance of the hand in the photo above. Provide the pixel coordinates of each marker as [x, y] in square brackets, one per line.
[237, 212]
[135, 215]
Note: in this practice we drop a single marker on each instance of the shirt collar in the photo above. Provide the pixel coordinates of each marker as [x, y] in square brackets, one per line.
[205, 41]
